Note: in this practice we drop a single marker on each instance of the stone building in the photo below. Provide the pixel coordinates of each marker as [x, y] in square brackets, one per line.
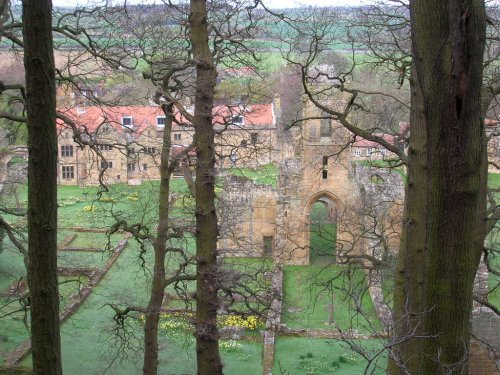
[129, 139]
[485, 343]
[315, 167]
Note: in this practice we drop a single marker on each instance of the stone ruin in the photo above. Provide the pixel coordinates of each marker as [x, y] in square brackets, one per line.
[266, 221]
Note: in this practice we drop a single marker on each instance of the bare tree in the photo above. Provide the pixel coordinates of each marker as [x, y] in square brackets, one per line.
[388, 37]
[207, 344]
[42, 188]
[170, 70]
[443, 198]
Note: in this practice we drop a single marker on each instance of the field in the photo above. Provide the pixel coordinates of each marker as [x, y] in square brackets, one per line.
[319, 297]
[90, 338]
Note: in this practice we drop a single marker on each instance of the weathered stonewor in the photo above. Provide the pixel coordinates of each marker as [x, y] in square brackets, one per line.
[266, 221]
[67, 240]
[283, 330]
[481, 283]
[382, 309]
[75, 301]
[84, 249]
[273, 321]
[87, 230]
[16, 289]
[485, 344]
[12, 173]
[77, 271]
[246, 215]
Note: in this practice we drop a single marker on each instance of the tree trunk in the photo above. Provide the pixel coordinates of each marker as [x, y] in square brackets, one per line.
[409, 278]
[440, 247]
[207, 344]
[42, 188]
[153, 309]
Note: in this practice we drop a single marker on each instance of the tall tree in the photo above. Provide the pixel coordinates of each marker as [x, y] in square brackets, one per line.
[158, 283]
[207, 344]
[170, 68]
[444, 227]
[440, 247]
[42, 189]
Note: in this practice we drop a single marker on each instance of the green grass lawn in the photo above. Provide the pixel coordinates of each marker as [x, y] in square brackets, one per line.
[13, 326]
[90, 343]
[323, 236]
[265, 175]
[310, 291]
[14, 319]
[11, 264]
[494, 180]
[305, 356]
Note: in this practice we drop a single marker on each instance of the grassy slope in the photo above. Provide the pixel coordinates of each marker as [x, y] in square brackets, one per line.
[89, 343]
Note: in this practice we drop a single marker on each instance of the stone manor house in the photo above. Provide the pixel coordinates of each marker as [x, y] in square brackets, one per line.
[129, 139]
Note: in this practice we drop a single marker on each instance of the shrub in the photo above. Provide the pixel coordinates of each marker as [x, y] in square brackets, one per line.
[230, 346]
[134, 197]
[251, 322]
[107, 199]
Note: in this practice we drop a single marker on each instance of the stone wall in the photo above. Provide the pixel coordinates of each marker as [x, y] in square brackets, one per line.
[247, 215]
[485, 345]
[381, 206]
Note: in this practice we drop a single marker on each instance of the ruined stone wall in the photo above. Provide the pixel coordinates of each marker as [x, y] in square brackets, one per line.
[319, 170]
[381, 206]
[485, 345]
[247, 214]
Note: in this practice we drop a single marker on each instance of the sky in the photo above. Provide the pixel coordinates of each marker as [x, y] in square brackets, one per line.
[270, 3]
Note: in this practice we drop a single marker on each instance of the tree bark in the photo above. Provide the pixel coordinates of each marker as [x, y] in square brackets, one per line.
[441, 244]
[409, 278]
[207, 336]
[153, 309]
[42, 188]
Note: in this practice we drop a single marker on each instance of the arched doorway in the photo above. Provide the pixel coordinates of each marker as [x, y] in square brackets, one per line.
[322, 229]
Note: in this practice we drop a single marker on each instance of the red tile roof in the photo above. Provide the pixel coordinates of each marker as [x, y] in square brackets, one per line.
[254, 115]
[404, 129]
[93, 117]
[243, 71]
[490, 122]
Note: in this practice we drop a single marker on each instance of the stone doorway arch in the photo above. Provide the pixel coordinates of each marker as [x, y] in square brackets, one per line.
[321, 213]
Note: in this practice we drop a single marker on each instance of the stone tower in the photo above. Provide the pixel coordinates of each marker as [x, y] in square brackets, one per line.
[318, 171]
